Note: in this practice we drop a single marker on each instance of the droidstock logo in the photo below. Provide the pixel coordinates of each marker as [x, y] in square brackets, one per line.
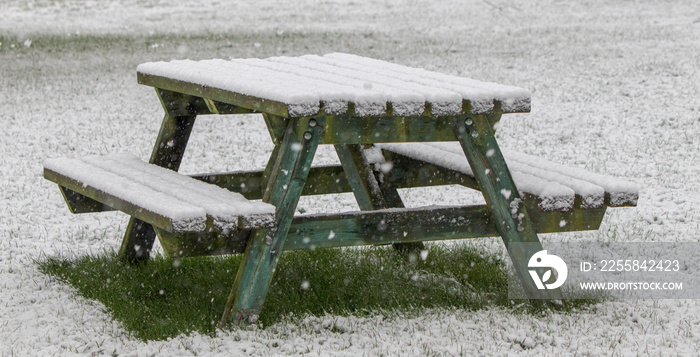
[543, 260]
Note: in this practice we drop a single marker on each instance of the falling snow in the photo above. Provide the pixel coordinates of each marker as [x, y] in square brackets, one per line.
[614, 89]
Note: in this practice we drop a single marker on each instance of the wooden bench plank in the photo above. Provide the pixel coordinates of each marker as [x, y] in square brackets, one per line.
[228, 210]
[551, 195]
[162, 197]
[555, 189]
[482, 97]
[618, 192]
[155, 207]
[558, 187]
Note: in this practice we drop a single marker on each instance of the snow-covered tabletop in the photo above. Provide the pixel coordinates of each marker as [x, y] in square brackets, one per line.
[336, 83]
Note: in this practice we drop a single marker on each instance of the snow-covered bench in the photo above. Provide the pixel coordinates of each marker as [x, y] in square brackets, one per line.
[171, 202]
[544, 185]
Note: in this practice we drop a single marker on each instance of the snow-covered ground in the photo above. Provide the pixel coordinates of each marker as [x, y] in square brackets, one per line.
[616, 89]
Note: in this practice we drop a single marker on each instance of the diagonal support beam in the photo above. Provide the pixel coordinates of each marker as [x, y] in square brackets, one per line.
[509, 215]
[286, 179]
[168, 151]
[368, 192]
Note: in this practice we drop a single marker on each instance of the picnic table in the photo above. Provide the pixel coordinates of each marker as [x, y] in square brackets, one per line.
[392, 127]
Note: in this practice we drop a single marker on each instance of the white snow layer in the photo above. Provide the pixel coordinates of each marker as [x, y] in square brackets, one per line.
[185, 201]
[308, 83]
[553, 183]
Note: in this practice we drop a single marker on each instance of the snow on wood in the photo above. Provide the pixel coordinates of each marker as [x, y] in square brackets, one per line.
[443, 102]
[184, 216]
[308, 83]
[592, 195]
[186, 201]
[375, 94]
[480, 94]
[621, 192]
[221, 204]
[553, 196]
[553, 183]
[260, 83]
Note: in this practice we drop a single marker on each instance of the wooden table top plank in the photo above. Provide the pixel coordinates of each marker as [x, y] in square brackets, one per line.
[259, 90]
[441, 101]
[309, 85]
[194, 88]
[368, 98]
[444, 99]
[479, 93]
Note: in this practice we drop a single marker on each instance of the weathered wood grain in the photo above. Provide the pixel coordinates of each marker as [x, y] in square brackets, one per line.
[286, 181]
[496, 184]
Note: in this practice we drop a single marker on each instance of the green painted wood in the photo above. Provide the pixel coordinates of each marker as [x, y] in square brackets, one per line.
[495, 117]
[609, 203]
[570, 221]
[423, 224]
[360, 177]
[168, 151]
[216, 107]
[276, 126]
[407, 172]
[219, 95]
[109, 200]
[322, 180]
[206, 243]
[139, 237]
[495, 182]
[345, 129]
[385, 129]
[390, 226]
[180, 104]
[290, 169]
[247, 183]
[78, 203]
[270, 169]
[342, 129]
[366, 188]
[393, 199]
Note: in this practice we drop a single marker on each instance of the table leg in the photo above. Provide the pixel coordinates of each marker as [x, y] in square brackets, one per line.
[285, 184]
[370, 195]
[167, 152]
[495, 182]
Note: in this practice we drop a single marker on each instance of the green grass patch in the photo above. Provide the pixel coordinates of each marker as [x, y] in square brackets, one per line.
[168, 297]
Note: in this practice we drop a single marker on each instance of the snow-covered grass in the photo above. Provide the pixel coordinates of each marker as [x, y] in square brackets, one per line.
[615, 89]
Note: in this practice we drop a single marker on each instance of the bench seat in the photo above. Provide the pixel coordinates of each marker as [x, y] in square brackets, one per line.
[556, 187]
[162, 197]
